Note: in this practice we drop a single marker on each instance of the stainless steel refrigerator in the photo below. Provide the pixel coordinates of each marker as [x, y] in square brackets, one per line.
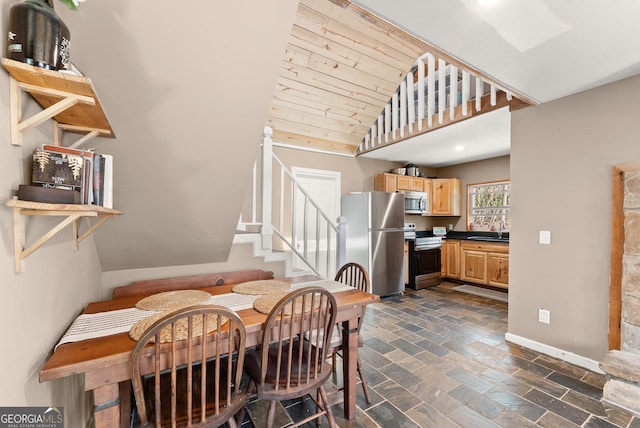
[375, 238]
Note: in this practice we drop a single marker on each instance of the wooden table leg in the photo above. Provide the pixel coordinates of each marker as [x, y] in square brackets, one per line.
[125, 404]
[350, 361]
[107, 406]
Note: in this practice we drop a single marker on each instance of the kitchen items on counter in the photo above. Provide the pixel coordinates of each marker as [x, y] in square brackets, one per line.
[409, 169]
[412, 170]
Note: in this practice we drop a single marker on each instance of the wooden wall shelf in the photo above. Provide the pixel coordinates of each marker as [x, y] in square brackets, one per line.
[72, 214]
[69, 100]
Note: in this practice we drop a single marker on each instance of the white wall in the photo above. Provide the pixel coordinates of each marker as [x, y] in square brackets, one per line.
[562, 154]
[38, 304]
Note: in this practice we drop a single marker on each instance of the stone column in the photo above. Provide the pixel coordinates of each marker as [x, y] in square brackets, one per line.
[623, 367]
[631, 265]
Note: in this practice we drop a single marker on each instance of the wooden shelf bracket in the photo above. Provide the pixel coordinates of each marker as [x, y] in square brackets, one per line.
[72, 215]
[69, 100]
[18, 126]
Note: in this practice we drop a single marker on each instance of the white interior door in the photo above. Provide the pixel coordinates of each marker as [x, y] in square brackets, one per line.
[324, 188]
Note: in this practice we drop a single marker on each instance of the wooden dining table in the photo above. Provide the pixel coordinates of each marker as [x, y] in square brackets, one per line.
[104, 361]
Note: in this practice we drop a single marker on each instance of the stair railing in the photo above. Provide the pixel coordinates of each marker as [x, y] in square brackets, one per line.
[438, 91]
[319, 242]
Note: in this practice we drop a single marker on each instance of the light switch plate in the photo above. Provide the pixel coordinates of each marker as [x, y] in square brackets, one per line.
[544, 316]
[544, 237]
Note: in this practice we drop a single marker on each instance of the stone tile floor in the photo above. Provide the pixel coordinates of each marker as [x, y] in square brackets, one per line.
[438, 358]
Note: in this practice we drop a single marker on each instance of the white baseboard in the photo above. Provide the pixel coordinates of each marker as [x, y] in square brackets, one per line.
[567, 356]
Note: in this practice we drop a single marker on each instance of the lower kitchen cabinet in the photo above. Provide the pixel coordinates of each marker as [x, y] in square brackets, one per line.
[474, 266]
[476, 262]
[498, 269]
[451, 259]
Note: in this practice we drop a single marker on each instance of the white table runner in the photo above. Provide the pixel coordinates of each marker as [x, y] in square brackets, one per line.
[89, 326]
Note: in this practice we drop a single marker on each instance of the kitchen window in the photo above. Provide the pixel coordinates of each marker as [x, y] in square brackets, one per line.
[489, 206]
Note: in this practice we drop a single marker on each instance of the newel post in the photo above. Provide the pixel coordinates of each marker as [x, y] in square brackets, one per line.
[267, 189]
[341, 245]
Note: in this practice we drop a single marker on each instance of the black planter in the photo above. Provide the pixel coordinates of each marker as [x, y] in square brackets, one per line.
[38, 36]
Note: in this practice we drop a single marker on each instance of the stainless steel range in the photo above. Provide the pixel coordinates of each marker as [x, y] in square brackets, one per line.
[424, 262]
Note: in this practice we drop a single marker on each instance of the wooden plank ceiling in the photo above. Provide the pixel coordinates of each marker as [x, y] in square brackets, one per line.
[341, 67]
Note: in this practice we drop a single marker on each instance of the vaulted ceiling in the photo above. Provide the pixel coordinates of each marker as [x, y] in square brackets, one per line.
[344, 60]
[340, 68]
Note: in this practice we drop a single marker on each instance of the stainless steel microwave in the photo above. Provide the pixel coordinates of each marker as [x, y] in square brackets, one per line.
[416, 203]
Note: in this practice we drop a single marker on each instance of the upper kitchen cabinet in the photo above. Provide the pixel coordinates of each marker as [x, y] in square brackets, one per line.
[444, 194]
[412, 184]
[385, 183]
[446, 197]
[393, 182]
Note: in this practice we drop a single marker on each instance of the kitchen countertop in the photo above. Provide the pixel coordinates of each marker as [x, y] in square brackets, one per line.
[468, 236]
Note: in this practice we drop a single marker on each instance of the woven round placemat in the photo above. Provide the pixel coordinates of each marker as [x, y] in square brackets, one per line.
[265, 304]
[263, 286]
[171, 300]
[182, 327]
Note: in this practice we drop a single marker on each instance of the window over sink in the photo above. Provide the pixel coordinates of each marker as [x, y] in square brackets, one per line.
[489, 206]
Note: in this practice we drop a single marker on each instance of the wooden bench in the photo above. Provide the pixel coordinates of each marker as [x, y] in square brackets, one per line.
[153, 286]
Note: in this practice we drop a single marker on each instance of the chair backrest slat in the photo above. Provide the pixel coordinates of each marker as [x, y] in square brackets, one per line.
[354, 275]
[200, 373]
[305, 313]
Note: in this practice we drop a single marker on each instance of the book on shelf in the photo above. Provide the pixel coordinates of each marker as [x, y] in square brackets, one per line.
[86, 193]
[97, 182]
[107, 174]
[49, 195]
[89, 173]
[57, 170]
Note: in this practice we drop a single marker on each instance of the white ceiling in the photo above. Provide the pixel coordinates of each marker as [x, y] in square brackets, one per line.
[481, 137]
[543, 49]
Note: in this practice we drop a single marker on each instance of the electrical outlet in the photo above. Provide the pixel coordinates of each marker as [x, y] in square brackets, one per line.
[544, 316]
[544, 237]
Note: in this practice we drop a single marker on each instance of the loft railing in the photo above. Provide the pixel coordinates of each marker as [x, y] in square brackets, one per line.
[438, 91]
[289, 219]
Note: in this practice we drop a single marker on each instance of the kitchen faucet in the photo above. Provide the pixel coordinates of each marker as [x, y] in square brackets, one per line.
[501, 227]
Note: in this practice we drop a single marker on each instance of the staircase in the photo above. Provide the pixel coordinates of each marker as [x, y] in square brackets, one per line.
[269, 223]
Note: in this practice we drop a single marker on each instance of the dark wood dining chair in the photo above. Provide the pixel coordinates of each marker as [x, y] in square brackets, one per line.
[356, 276]
[288, 366]
[182, 378]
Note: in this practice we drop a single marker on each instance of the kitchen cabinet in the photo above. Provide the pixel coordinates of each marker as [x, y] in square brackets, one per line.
[451, 258]
[446, 197]
[444, 194]
[474, 266]
[385, 183]
[412, 184]
[392, 182]
[485, 263]
[498, 269]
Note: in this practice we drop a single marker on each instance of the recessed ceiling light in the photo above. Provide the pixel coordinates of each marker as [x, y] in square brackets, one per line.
[459, 148]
